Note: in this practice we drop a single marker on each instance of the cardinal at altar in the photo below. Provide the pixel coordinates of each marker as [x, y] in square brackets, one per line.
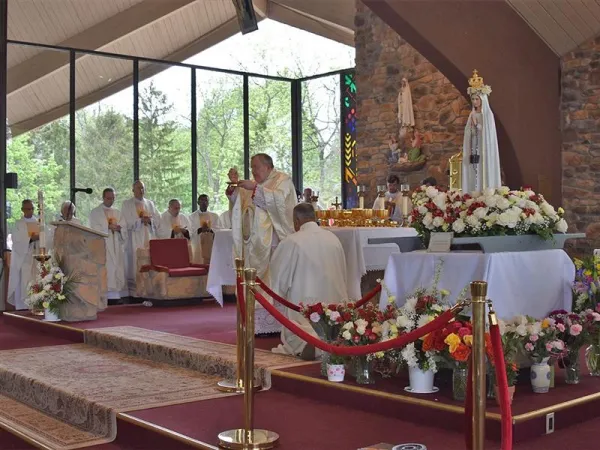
[23, 267]
[481, 159]
[262, 212]
[308, 266]
[142, 219]
[108, 220]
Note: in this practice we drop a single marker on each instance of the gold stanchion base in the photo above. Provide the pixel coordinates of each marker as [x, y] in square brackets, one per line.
[235, 439]
[231, 386]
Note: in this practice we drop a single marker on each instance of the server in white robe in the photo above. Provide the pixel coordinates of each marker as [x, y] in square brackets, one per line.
[108, 220]
[142, 220]
[308, 266]
[23, 267]
[202, 223]
[173, 224]
[393, 200]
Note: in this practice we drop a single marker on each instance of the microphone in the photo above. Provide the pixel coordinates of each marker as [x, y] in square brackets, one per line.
[86, 190]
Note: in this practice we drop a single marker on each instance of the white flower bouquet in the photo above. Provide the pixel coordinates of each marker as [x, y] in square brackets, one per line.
[493, 212]
[51, 288]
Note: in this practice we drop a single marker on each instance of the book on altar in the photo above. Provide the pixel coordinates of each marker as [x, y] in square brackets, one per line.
[440, 242]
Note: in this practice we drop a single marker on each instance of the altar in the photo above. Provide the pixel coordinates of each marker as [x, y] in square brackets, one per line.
[531, 282]
[361, 257]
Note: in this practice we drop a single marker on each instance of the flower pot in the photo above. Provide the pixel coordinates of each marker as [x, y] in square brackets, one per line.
[336, 372]
[540, 377]
[511, 394]
[421, 382]
[50, 316]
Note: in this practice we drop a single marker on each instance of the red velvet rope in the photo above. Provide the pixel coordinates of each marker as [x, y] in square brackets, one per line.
[361, 350]
[240, 298]
[296, 308]
[505, 407]
[276, 297]
[502, 382]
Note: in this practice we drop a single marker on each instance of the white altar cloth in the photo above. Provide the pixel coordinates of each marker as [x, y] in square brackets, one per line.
[532, 283]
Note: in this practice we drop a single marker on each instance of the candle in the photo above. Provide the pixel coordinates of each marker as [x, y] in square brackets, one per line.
[42, 239]
[404, 205]
[361, 202]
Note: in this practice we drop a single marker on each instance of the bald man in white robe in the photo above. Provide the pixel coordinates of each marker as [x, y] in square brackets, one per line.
[307, 267]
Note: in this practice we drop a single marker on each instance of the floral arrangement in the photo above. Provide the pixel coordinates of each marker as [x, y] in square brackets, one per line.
[586, 287]
[573, 328]
[362, 326]
[493, 212]
[325, 319]
[51, 288]
[537, 338]
[455, 341]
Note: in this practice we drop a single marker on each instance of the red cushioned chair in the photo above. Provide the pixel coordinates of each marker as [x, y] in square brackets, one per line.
[171, 275]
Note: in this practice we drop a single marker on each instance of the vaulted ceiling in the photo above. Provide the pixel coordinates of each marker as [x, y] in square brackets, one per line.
[171, 30]
[174, 30]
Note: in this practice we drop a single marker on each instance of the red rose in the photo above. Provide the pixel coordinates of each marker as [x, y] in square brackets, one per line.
[463, 331]
[372, 336]
[347, 316]
[356, 338]
[332, 307]
[461, 353]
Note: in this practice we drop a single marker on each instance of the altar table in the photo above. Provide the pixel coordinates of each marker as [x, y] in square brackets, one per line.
[532, 283]
[360, 258]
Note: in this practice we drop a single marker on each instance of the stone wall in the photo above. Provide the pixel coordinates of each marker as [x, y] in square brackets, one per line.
[580, 116]
[383, 58]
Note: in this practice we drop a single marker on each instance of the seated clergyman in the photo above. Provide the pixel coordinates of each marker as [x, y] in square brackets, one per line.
[308, 266]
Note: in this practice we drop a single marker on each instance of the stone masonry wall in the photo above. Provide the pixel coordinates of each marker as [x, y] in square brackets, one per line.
[580, 112]
[383, 58]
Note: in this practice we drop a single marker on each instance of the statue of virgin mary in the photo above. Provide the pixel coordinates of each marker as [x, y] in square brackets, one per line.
[481, 160]
[406, 115]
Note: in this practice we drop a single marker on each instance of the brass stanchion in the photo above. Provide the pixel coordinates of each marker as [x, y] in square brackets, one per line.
[237, 385]
[249, 437]
[478, 303]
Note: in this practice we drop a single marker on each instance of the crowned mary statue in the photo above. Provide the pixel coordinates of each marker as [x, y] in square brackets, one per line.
[481, 160]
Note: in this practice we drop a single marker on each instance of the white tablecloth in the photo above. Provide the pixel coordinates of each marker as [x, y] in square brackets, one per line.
[360, 256]
[532, 283]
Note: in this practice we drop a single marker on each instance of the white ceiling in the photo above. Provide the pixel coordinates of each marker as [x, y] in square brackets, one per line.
[172, 30]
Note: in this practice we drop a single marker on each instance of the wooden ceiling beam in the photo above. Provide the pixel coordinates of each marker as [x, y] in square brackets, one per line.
[93, 38]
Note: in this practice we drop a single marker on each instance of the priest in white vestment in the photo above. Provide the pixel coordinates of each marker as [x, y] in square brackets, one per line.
[203, 223]
[142, 220]
[67, 214]
[308, 266]
[393, 199]
[108, 220]
[23, 267]
[173, 224]
[262, 212]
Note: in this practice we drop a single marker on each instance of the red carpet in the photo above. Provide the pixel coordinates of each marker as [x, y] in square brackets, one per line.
[13, 336]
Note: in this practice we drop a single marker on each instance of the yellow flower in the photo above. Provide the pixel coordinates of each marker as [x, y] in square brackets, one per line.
[587, 273]
[578, 263]
[545, 323]
[379, 355]
[45, 304]
[445, 292]
[393, 330]
[453, 341]
[561, 211]
[468, 339]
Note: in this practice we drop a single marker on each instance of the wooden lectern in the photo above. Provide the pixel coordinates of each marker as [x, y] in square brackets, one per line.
[83, 252]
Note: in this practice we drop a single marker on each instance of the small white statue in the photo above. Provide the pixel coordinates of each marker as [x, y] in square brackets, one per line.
[406, 115]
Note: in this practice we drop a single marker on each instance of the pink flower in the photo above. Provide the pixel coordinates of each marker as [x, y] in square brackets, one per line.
[315, 317]
[533, 337]
[575, 329]
[549, 346]
[529, 347]
[560, 327]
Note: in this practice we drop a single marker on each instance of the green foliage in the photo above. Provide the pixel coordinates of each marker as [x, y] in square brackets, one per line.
[104, 145]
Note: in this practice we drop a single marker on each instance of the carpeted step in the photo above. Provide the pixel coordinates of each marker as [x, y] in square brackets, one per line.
[85, 387]
[212, 358]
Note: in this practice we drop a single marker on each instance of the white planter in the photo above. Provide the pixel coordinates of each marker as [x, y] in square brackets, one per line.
[421, 382]
[336, 372]
[49, 316]
[540, 377]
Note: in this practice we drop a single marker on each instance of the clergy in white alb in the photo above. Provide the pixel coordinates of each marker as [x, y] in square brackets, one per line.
[173, 224]
[141, 218]
[108, 220]
[262, 212]
[392, 199]
[309, 197]
[23, 268]
[203, 222]
[307, 267]
[67, 214]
